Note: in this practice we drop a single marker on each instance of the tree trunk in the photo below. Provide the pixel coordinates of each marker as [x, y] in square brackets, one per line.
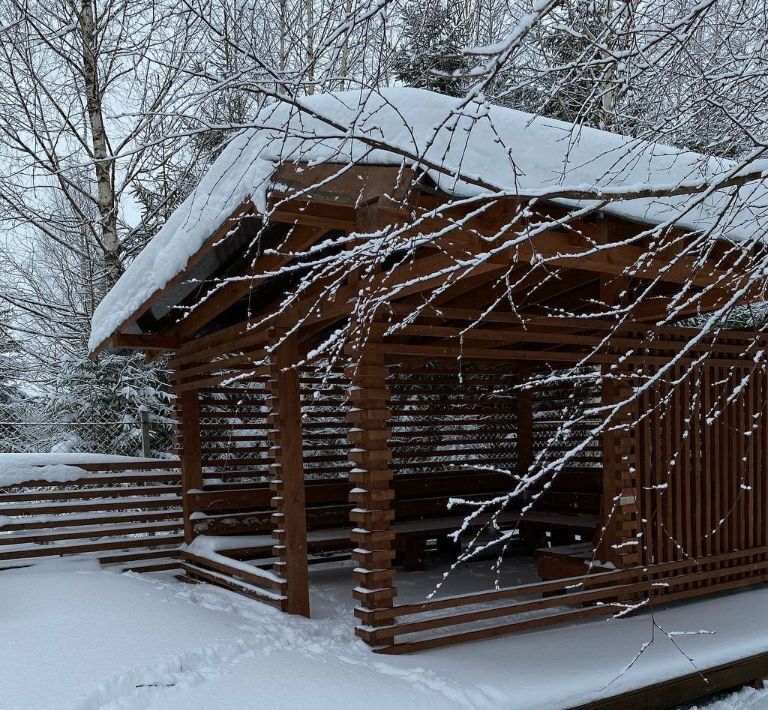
[310, 72]
[103, 166]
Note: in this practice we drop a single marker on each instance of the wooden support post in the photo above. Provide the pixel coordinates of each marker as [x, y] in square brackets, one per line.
[524, 425]
[373, 493]
[290, 518]
[146, 436]
[191, 457]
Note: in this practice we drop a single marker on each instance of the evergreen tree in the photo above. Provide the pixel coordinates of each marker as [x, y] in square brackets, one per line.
[431, 44]
[566, 76]
[11, 396]
[98, 402]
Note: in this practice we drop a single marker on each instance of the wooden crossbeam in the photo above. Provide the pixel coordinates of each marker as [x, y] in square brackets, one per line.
[146, 342]
[587, 247]
[573, 323]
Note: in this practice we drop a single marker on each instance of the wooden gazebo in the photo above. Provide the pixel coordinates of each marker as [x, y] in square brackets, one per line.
[293, 456]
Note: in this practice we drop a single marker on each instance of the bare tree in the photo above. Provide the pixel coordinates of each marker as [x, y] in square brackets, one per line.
[82, 85]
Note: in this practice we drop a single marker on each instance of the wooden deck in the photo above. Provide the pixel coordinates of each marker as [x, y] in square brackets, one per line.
[688, 688]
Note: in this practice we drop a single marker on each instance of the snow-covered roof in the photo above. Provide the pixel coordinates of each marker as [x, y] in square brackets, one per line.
[510, 151]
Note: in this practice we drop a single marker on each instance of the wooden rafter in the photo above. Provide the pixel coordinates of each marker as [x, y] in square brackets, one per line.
[226, 229]
[298, 240]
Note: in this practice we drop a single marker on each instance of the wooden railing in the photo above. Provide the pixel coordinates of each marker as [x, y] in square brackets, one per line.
[533, 606]
[126, 513]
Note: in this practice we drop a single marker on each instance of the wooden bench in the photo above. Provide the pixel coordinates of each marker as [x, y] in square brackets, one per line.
[568, 561]
[411, 540]
[421, 511]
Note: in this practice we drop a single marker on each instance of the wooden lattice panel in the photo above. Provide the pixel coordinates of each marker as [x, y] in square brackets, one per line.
[442, 421]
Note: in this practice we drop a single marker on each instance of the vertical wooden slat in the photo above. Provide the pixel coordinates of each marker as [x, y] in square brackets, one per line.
[667, 459]
[689, 497]
[748, 446]
[707, 488]
[727, 470]
[758, 453]
[644, 482]
[608, 506]
[763, 454]
[737, 410]
[647, 477]
[717, 462]
[696, 490]
[661, 473]
[677, 469]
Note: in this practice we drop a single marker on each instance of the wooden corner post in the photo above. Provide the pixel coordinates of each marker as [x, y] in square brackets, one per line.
[372, 495]
[191, 455]
[290, 518]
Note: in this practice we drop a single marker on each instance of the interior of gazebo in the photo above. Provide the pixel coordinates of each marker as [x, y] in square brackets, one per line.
[439, 425]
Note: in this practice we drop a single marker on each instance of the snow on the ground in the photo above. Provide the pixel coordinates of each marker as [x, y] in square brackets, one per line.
[55, 468]
[516, 153]
[75, 637]
[747, 698]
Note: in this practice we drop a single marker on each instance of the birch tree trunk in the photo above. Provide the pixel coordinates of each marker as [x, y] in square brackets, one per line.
[103, 166]
[309, 8]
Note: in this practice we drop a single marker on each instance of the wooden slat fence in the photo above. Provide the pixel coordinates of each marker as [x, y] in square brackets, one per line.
[559, 423]
[126, 513]
[691, 472]
[406, 628]
[700, 445]
[441, 422]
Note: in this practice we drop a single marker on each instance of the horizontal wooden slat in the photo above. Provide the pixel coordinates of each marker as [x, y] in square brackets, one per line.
[66, 549]
[85, 493]
[128, 509]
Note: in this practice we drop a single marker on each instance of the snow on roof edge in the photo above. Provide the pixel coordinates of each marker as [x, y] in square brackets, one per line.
[522, 154]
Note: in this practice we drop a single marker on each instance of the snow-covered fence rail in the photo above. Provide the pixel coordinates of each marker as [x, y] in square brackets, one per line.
[120, 510]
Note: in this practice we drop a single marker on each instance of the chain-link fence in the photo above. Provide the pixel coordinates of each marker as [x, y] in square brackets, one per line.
[135, 435]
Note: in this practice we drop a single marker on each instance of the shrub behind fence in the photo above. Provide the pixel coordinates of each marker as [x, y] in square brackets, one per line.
[135, 435]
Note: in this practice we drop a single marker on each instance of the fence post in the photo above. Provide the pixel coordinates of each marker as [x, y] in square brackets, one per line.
[145, 439]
